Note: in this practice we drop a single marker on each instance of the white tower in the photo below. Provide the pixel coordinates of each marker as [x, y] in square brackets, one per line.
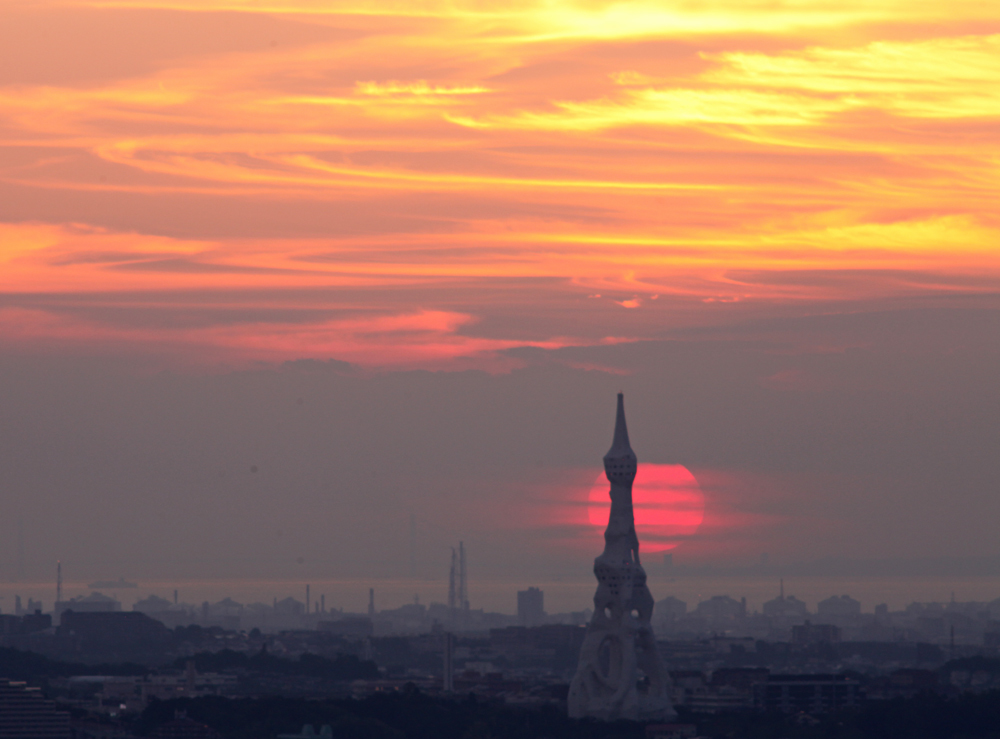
[620, 674]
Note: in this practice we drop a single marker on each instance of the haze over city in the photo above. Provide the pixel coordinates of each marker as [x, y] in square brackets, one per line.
[301, 292]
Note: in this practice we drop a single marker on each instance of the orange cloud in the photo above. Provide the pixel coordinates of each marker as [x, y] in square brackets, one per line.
[424, 159]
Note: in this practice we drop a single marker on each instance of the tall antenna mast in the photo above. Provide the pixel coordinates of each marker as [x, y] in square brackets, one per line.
[452, 584]
[463, 584]
[58, 582]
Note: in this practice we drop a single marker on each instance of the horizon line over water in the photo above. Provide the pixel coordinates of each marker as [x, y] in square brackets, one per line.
[500, 595]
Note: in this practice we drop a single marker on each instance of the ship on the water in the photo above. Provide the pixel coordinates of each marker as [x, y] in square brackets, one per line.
[121, 582]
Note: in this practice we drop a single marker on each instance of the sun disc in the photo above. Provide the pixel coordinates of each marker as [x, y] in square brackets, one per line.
[668, 503]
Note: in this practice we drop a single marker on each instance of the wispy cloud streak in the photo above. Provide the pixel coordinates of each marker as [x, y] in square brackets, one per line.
[403, 156]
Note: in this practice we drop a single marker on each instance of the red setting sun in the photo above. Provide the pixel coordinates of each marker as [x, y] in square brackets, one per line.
[668, 502]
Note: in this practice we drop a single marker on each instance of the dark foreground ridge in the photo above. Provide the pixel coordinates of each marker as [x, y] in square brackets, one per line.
[16, 664]
[272, 686]
[411, 714]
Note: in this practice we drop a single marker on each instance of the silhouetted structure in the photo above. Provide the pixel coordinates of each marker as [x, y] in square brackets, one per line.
[619, 641]
[530, 607]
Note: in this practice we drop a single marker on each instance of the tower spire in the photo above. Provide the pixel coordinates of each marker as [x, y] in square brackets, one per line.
[620, 445]
[607, 683]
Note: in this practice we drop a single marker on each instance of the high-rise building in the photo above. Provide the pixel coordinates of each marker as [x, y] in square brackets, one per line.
[530, 607]
[26, 714]
[448, 684]
[620, 674]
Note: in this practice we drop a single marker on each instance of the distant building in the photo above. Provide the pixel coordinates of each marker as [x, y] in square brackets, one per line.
[843, 606]
[685, 685]
[809, 694]
[29, 623]
[785, 607]
[721, 608]
[530, 607]
[227, 607]
[36, 621]
[152, 604]
[809, 633]
[93, 603]
[166, 612]
[728, 690]
[670, 608]
[26, 714]
[290, 607]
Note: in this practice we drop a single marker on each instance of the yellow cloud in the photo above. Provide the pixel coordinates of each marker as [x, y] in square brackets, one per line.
[938, 78]
[934, 78]
[420, 88]
[454, 142]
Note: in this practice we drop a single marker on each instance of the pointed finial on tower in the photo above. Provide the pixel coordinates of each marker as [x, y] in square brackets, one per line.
[620, 446]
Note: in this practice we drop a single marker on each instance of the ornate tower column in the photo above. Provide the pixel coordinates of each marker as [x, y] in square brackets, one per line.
[620, 674]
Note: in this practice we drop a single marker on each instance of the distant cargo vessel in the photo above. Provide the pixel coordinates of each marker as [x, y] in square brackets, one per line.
[121, 582]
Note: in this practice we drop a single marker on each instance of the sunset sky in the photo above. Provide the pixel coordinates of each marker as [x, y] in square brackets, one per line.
[448, 232]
